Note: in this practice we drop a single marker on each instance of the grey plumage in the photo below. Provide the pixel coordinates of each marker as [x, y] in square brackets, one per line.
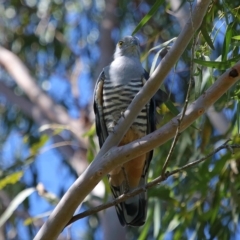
[116, 87]
[121, 95]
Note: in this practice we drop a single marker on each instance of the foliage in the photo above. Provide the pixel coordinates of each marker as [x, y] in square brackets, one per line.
[51, 36]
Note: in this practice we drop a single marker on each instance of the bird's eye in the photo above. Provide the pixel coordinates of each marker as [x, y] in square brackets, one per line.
[120, 43]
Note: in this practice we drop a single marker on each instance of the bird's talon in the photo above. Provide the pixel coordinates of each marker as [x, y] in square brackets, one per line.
[122, 114]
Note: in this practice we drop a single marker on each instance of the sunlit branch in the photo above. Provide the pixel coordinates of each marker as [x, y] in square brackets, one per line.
[111, 156]
[176, 137]
[151, 184]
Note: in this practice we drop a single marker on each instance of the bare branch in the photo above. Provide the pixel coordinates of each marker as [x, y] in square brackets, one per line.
[175, 139]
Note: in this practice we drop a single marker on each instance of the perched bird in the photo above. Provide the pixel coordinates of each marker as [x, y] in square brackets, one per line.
[116, 87]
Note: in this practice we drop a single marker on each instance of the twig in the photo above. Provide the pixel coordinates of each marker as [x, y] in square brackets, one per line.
[151, 184]
[185, 104]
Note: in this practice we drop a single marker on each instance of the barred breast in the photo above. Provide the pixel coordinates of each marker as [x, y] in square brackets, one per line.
[116, 99]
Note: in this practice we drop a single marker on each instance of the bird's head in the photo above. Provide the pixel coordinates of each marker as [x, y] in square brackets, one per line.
[128, 46]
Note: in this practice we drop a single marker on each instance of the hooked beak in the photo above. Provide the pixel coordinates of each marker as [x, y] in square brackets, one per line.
[135, 41]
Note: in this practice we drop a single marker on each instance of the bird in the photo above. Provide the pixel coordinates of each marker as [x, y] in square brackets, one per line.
[115, 88]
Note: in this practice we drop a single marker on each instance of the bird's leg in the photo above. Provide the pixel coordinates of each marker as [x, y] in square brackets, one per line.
[126, 186]
[122, 114]
[111, 129]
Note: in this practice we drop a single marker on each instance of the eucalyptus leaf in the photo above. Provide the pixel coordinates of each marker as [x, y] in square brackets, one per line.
[148, 16]
[15, 203]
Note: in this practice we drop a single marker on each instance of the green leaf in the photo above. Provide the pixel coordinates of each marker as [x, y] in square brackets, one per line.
[163, 47]
[238, 112]
[163, 193]
[31, 220]
[148, 16]
[218, 65]
[58, 128]
[207, 37]
[171, 107]
[42, 141]
[90, 132]
[236, 37]
[154, 62]
[147, 226]
[156, 217]
[50, 197]
[15, 203]
[227, 41]
[10, 179]
[173, 224]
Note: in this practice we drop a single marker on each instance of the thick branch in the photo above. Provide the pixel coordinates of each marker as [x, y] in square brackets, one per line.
[119, 155]
[166, 132]
[102, 165]
[28, 108]
[156, 79]
[75, 157]
[106, 44]
[52, 111]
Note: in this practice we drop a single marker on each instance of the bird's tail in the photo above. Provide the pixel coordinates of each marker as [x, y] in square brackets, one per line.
[131, 212]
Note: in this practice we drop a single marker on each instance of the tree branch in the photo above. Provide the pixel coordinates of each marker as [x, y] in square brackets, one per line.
[31, 110]
[76, 157]
[118, 155]
[151, 184]
[106, 43]
[52, 111]
[175, 139]
[156, 79]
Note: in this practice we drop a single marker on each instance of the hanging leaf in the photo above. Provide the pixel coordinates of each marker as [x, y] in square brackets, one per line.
[236, 37]
[147, 226]
[10, 179]
[207, 37]
[156, 217]
[31, 220]
[173, 224]
[218, 65]
[227, 41]
[149, 15]
[15, 203]
[172, 108]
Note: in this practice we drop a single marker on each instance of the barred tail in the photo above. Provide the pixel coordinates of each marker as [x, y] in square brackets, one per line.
[133, 211]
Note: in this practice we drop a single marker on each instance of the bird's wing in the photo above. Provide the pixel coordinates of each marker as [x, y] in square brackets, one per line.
[133, 211]
[151, 125]
[98, 110]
